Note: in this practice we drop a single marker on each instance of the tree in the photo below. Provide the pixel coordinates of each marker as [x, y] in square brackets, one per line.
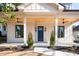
[8, 11]
[16, 5]
[30, 40]
[5, 7]
[52, 40]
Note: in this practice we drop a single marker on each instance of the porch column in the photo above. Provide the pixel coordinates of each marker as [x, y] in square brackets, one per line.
[56, 30]
[25, 31]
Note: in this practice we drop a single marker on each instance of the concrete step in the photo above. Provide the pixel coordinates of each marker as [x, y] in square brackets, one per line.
[44, 50]
[43, 44]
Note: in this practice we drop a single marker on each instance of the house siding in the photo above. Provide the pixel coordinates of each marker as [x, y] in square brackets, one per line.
[67, 40]
[11, 34]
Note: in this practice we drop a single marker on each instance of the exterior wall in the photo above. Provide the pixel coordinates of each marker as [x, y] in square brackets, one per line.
[11, 31]
[31, 28]
[11, 34]
[68, 39]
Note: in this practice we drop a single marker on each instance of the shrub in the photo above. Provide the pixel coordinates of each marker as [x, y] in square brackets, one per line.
[30, 40]
[0, 39]
[52, 40]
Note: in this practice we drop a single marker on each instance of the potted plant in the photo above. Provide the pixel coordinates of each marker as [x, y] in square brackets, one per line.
[30, 40]
[52, 39]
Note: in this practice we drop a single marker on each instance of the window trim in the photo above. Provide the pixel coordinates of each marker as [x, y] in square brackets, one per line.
[63, 32]
[15, 30]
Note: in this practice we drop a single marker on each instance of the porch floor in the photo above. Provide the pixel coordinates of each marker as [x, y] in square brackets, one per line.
[11, 44]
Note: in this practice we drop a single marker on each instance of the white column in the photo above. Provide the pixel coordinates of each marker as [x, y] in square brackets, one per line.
[56, 30]
[25, 31]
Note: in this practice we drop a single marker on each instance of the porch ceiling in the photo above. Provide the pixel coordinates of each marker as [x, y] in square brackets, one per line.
[67, 19]
[50, 20]
[60, 20]
[53, 19]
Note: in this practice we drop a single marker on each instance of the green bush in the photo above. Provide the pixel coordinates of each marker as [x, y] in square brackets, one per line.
[52, 40]
[0, 39]
[30, 40]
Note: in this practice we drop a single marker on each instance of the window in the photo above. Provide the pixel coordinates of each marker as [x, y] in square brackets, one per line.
[19, 31]
[4, 28]
[61, 32]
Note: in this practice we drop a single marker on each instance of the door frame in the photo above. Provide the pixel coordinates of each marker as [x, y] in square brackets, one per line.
[43, 33]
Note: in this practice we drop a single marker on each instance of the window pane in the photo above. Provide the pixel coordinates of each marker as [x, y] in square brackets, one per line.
[4, 28]
[19, 31]
[61, 32]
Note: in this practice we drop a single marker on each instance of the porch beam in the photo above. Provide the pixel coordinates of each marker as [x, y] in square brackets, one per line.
[68, 15]
[25, 31]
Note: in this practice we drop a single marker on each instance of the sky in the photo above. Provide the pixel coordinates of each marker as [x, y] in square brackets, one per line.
[75, 6]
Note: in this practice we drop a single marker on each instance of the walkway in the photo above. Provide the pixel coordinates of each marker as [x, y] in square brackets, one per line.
[38, 51]
[51, 52]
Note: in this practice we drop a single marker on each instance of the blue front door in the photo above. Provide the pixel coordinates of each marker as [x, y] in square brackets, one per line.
[40, 33]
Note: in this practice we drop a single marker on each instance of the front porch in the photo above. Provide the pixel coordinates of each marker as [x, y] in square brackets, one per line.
[40, 28]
